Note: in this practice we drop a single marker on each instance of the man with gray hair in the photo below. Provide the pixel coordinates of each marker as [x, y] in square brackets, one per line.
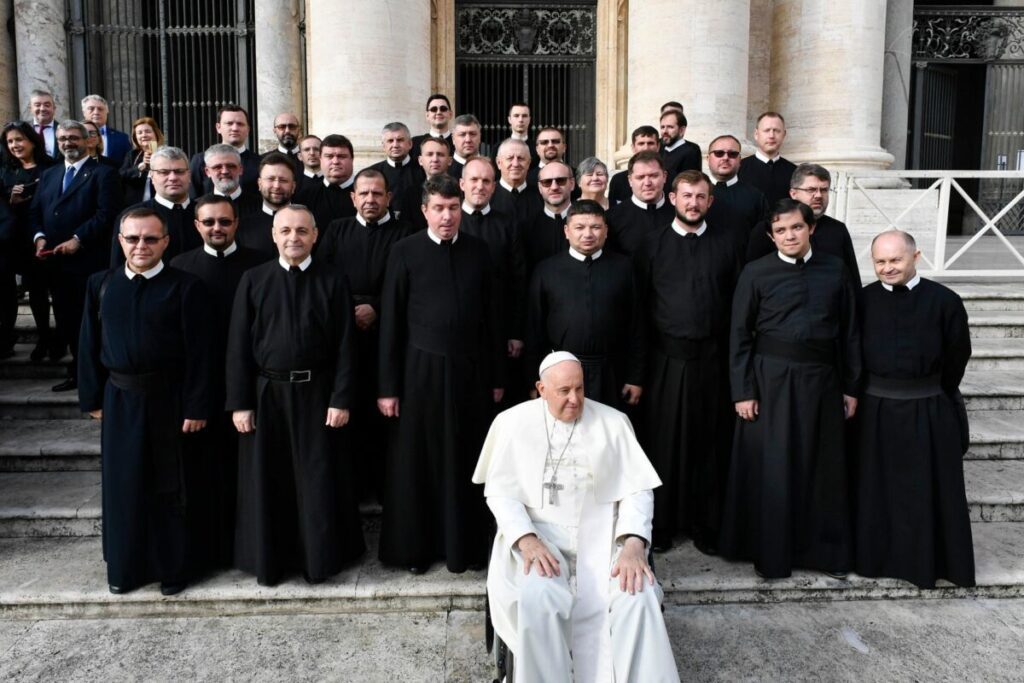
[912, 518]
[514, 194]
[398, 166]
[116, 144]
[222, 171]
[71, 217]
[168, 170]
[467, 135]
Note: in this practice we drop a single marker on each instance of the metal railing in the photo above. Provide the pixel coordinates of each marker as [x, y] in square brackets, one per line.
[959, 235]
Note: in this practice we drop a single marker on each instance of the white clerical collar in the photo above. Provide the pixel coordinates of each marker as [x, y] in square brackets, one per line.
[913, 282]
[167, 203]
[518, 136]
[791, 260]
[440, 135]
[552, 214]
[643, 205]
[240, 148]
[395, 164]
[510, 188]
[437, 240]
[344, 186]
[78, 164]
[580, 257]
[148, 274]
[470, 209]
[763, 157]
[459, 158]
[382, 221]
[730, 182]
[284, 150]
[680, 230]
[269, 210]
[234, 195]
[302, 266]
[228, 250]
[311, 174]
[675, 145]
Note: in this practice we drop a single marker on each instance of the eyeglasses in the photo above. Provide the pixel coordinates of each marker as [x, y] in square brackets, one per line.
[562, 181]
[222, 222]
[719, 153]
[148, 240]
[549, 141]
[164, 172]
[814, 190]
[443, 108]
[287, 126]
[225, 167]
[69, 138]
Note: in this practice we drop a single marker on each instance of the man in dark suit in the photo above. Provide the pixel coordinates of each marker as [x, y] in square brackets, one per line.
[116, 144]
[72, 213]
[233, 129]
[677, 153]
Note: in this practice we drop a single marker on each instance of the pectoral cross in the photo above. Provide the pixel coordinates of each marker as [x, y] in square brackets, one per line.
[553, 488]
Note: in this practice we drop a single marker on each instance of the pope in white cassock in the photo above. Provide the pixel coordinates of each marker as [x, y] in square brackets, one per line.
[569, 587]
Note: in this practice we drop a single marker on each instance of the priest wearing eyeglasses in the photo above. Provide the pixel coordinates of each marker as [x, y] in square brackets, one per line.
[543, 233]
[738, 205]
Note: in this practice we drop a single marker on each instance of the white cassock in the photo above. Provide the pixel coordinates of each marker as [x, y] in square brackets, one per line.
[607, 494]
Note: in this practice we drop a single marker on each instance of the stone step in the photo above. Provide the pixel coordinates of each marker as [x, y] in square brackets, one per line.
[49, 445]
[990, 296]
[996, 354]
[20, 366]
[34, 399]
[994, 390]
[997, 324]
[65, 577]
[996, 435]
[995, 490]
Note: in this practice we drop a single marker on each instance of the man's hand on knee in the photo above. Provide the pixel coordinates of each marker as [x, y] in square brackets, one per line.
[632, 567]
[536, 554]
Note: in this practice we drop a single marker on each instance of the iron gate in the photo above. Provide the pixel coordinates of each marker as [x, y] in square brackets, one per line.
[178, 62]
[541, 54]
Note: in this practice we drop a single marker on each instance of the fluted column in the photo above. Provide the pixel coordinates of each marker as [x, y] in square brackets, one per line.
[279, 75]
[385, 74]
[42, 53]
[9, 106]
[899, 29]
[827, 66]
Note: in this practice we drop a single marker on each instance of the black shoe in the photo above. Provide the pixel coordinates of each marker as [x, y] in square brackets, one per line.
[172, 588]
[417, 570]
[839, 576]
[70, 384]
[38, 354]
[119, 590]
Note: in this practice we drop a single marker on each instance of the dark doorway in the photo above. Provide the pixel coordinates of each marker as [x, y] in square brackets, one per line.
[539, 53]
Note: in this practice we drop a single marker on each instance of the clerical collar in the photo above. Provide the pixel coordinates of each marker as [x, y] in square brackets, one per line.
[382, 221]
[508, 187]
[163, 201]
[311, 174]
[763, 157]
[440, 136]
[234, 195]
[228, 251]
[270, 210]
[552, 214]
[678, 228]
[730, 182]
[581, 257]
[148, 274]
[643, 205]
[395, 164]
[437, 240]
[344, 186]
[241, 149]
[791, 260]
[913, 282]
[519, 136]
[675, 145]
[77, 165]
[284, 150]
[470, 209]
[302, 266]
[459, 158]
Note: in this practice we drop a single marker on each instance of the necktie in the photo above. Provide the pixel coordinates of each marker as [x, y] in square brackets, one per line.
[69, 175]
[40, 128]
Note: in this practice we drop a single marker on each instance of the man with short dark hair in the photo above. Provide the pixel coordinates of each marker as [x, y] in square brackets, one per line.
[647, 210]
[677, 153]
[466, 137]
[441, 365]
[644, 139]
[766, 169]
[145, 371]
[435, 159]
[286, 130]
[276, 184]
[398, 166]
[550, 148]
[233, 128]
[330, 197]
[738, 206]
[309, 155]
[40, 103]
[519, 118]
[439, 115]
[672, 105]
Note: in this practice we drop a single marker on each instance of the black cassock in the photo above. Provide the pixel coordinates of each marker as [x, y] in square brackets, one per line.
[688, 283]
[522, 202]
[543, 235]
[408, 208]
[830, 236]
[441, 353]
[912, 517]
[145, 360]
[772, 178]
[795, 347]
[221, 276]
[360, 251]
[618, 188]
[327, 202]
[685, 157]
[739, 207]
[181, 231]
[630, 225]
[591, 308]
[401, 177]
[256, 232]
[296, 507]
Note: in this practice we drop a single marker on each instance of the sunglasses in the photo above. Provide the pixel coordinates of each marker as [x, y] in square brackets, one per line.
[549, 141]
[222, 222]
[719, 153]
[562, 181]
[148, 240]
[287, 126]
[443, 108]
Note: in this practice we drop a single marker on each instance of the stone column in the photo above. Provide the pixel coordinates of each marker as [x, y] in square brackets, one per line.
[385, 75]
[899, 29]
[279, 73]
[693, 52]
[42, 53]
[10, 108]
[827, 65]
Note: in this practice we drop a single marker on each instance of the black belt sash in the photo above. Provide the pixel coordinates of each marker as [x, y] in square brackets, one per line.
[917, 387]
[806, 351]
[292, 376]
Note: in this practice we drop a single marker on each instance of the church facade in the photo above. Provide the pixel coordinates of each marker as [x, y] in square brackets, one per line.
[872, 84]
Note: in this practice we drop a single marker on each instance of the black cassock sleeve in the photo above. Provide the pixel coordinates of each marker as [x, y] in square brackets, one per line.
[92, 376]
[197, 332]
[745, 303]
[636, 366]
[394, 301]
[240, 363]
[517, 285]
[345, 361]
[537, 342]
[497, 348]
[849, 337]
[956, 344]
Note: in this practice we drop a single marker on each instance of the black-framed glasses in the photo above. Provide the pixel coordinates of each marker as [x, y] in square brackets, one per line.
[442, 108]
[719, 153]
[222, 222]
[148, 240]
[561, 181]
[287, 126]
[70, 138]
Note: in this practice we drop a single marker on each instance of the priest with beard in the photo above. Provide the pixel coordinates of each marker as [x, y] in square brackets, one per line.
[441, 366]
[358, 248]
[219, 264]
[688, 272]
[544, 231]
[330, 197]
[586, 301]
[678, 154]
[913, 521]
[795, 369]
[738, 207]
[290, 387]
[647, 211]
[276, 184]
